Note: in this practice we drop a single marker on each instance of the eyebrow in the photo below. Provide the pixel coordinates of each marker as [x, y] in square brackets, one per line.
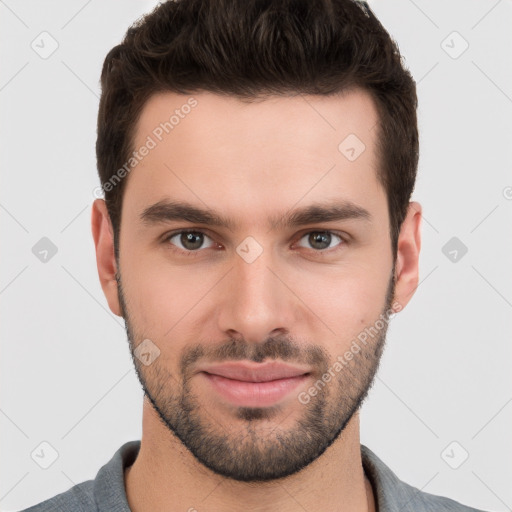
[168, 210]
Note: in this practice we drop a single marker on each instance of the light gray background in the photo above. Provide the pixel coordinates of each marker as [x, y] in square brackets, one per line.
[66, 374]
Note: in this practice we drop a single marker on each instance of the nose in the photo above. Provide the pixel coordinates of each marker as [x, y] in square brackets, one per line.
[256, 302]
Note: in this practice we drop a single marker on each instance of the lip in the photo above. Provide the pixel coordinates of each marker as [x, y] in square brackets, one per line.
[249, 371]
[254, 384]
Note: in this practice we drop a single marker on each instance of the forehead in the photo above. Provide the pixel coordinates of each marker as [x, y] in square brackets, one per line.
[220, 119]
[232, 154]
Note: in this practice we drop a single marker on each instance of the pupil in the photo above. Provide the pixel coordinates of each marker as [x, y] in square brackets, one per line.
[324, 238]
[187, 239]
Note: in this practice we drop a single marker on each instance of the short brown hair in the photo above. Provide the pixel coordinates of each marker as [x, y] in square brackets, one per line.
[252, 49]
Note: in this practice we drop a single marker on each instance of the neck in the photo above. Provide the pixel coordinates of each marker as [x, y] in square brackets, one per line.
[166, 477]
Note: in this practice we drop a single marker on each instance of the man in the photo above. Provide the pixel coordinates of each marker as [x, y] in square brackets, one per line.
[257, 236]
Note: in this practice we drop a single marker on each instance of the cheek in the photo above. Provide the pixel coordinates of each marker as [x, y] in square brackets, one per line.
[166, 300]
[346, 299]
[150, 292]
[158, 313]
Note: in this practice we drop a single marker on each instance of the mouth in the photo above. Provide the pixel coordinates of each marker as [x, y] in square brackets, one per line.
[254, 384]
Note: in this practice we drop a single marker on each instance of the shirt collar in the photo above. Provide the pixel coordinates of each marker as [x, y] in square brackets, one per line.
[390, 493]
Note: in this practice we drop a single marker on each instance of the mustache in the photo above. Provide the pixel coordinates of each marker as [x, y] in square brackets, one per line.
[282, 348]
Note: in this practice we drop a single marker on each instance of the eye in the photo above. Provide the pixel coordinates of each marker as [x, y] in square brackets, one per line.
[188, 241]
[191, 241]
[321, 240]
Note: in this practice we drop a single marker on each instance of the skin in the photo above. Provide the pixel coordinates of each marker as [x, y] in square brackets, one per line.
[251, 162]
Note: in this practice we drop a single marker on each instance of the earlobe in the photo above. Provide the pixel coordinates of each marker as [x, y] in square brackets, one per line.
[408, 251]
[103, 236]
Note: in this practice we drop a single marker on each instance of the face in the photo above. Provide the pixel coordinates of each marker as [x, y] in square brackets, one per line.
[255, 274]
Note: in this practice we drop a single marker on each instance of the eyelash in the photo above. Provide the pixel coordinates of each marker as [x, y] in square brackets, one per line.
[197, 252]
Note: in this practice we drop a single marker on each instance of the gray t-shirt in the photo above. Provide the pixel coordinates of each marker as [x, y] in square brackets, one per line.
[106, 493]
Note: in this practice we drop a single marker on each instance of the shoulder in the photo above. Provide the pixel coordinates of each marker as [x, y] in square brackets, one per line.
[427, 502]
[105, 493]
[80, 498]
[392, 494]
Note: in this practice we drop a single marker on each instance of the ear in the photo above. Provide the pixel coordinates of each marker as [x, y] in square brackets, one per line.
[103, 235]
[408, 252]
